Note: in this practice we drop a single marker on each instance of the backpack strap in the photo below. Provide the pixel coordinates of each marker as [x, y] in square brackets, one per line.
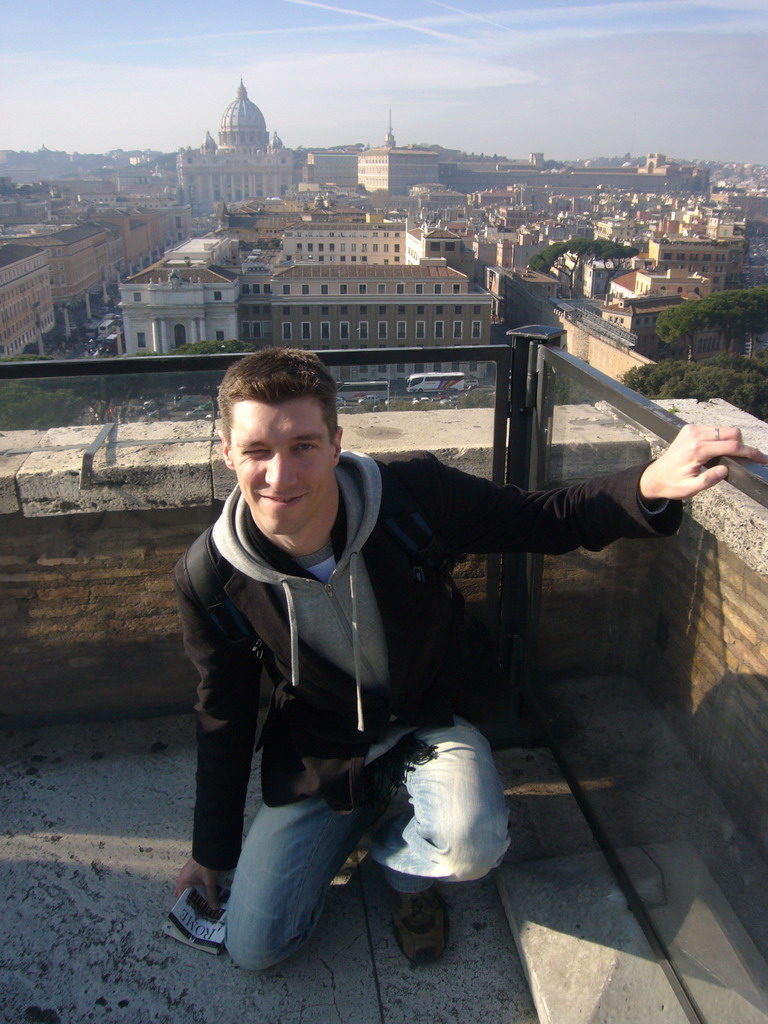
[401, 516]
[208, 576]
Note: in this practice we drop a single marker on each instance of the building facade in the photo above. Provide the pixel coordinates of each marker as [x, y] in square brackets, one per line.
[391, 169]
[721, 260]
[26, 301]
[346, 241]
[328, 307]
[246, 162]
[184, 298]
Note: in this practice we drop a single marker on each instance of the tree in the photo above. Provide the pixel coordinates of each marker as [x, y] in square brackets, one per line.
[740, 314]
[569, 257]
[208, 348]
[40, 406]
[736, 379]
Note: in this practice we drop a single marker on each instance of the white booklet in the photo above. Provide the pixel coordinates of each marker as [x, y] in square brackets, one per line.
[194, 921]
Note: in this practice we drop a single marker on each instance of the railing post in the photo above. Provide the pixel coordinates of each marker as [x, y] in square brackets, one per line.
[515, 608]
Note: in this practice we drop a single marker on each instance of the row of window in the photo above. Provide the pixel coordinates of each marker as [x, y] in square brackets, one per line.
[382, 330]
[342, 234]
[343, 247]
[382, 310]
[706, 258]
[381, 289]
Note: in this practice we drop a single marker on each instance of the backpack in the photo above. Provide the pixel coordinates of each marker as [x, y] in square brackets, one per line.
[209, 574]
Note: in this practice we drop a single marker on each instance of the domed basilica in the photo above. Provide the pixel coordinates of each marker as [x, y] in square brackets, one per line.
[245, 164]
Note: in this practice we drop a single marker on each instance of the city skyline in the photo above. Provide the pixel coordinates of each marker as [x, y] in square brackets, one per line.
[683, 77]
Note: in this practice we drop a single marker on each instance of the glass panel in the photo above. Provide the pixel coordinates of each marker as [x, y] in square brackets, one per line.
[652, 674]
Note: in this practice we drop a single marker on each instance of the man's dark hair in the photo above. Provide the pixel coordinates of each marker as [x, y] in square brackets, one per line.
[278, 375]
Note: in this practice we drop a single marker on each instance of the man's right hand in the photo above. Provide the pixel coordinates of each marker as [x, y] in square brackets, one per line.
[194, 874]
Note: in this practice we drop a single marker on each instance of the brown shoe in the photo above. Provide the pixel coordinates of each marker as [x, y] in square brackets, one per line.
[420, 921]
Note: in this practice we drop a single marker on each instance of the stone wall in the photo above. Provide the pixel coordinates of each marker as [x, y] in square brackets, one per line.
[88, 617]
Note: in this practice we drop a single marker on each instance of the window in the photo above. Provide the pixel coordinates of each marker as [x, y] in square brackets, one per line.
[438, 289]
[400, 289]
[217, 296]
[382, 331]
[287, 335]
[344, 330]
[286, 289]
[439, 333]
[323, 289]
[381, 289]
[450, 246]
[286, 310]
[219, 335]
[305, 310]
[325, 330]
[141, 339]
[434, 247]
[305, 289]
[457, 326]
[419, 289]
[420, 330]
[246, 289]
[456, 289]
[324, 310]
[362, 330]
[458, 310]
[401, 330]
[401, 310]
[137, 296]
[363, 310]
[476, 310]
[475, 328]
[306, 330]
[420, 311]
[439, 310]
[342, 289]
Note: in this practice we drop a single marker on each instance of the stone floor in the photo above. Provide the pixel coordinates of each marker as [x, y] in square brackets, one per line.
[94, 824]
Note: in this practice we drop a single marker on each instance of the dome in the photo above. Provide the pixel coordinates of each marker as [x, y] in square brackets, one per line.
[242, 125]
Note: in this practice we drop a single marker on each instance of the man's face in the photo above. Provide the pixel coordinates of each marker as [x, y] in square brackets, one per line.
[284, 461]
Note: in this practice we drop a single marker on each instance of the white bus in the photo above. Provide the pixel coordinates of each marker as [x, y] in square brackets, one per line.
[442, 383]
[356, 392]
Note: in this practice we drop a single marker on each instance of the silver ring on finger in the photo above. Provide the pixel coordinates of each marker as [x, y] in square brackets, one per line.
[717, 433]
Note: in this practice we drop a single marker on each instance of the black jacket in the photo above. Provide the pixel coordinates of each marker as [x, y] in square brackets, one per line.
[311, 746]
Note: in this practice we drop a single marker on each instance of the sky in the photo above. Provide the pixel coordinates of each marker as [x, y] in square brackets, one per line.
[572, 80]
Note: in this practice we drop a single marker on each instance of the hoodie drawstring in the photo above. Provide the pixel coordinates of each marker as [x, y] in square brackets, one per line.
[356, 640]
[356, 655]
[293, 630]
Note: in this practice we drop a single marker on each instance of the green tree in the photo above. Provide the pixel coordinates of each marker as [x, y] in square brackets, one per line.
[740, 314]
[28, 406]
[736, 379]
[208, 348]
[569, 257]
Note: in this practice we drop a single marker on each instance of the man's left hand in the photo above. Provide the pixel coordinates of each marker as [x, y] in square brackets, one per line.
[682, 472]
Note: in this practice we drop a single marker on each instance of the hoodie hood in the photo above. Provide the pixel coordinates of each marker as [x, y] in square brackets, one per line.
[339, 619]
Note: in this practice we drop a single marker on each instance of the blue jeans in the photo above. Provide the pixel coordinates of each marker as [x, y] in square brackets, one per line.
[455, 831]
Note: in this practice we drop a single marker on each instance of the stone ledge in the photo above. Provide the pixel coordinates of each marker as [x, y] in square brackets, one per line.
[136, 469]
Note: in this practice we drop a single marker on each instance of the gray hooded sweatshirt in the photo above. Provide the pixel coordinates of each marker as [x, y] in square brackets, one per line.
[340, 618]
